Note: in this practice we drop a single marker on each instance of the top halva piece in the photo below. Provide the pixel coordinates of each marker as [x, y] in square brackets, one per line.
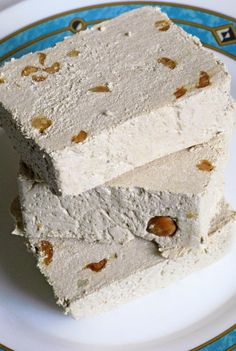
[111, 98]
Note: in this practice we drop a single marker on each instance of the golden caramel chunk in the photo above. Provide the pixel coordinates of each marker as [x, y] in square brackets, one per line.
[2, 80]
[163, 25]
[180, 92]
[38, 78]
[73, 53]
[100, 89]
[97, 266]
[162, 226]
[42, 58]
[167, 62]
[28, 70]
[55, 67]
[191, 215]
[204, 80]
[47, 250]
[41, 123]
[79, 138]
[205, 165]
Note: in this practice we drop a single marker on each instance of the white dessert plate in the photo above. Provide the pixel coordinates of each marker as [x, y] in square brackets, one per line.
[197, 313]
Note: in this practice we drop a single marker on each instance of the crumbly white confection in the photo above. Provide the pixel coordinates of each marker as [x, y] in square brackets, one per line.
[136, 121]
[130, 271]
[121, 209]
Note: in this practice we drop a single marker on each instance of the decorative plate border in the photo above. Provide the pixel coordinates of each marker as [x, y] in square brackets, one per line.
[218, 35]
[4, 348]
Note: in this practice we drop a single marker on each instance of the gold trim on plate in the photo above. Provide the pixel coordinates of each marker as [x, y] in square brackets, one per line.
[31, 42]
[225, 26]
[198, 348]
[86, 24]
[5, 348]
[209, 342]
[117, 4]
[83, 23]
[231, 348]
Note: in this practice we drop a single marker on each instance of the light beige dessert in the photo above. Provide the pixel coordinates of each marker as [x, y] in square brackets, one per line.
[114, 97]
[170, 201]
[92, 278]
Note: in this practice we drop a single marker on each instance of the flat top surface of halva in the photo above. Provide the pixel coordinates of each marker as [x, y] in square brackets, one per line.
[100, 78]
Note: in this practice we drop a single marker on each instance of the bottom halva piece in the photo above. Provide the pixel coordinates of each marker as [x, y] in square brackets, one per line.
[171, 201]
[89, 278]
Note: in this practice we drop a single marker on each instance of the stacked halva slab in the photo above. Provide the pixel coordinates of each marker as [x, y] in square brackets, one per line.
[123, 132]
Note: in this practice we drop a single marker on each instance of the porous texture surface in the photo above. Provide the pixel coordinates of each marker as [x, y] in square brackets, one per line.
[92, 278]
[127, 97]
[175, 186]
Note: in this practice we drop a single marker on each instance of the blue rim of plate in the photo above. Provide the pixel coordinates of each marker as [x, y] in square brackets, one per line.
[215, 30]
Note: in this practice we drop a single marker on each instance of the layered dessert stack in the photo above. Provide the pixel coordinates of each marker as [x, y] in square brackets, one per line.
[123, 133]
